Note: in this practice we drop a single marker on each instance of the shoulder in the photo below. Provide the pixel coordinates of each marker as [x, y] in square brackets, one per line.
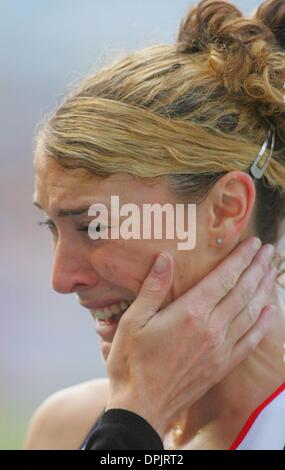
[63, 420]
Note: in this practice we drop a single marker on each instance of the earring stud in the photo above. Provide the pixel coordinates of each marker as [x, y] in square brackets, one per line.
[219, 241]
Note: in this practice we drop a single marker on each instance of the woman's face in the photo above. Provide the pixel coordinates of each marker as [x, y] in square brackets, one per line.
[106, 270]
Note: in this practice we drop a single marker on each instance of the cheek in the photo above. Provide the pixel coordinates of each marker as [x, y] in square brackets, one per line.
[190, 268]
[122, 263]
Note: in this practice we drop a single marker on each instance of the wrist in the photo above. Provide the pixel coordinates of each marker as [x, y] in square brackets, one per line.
[152, 416]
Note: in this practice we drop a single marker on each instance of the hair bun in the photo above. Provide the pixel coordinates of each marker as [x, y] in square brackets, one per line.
[272, 14]
[240, 51]
[202, 24]
[214, 21]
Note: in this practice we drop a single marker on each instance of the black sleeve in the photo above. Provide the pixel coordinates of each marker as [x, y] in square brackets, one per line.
[119, 429]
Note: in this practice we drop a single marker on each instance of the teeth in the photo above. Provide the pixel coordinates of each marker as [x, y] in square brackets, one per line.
[123, 304]
[107, 312]
[114, 309]
[100, 314]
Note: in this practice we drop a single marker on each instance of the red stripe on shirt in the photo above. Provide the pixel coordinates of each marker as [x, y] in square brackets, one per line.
[254, 416]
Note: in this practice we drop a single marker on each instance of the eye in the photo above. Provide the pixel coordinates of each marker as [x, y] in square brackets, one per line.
[97, 228]
[48, 223]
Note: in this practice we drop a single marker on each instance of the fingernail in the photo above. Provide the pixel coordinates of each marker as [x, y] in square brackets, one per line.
[161, 263]
[256, 244]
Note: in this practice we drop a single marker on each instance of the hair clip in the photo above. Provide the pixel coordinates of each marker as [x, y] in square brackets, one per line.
[256, 171]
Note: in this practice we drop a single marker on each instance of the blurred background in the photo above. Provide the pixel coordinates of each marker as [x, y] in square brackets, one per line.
[48, 341]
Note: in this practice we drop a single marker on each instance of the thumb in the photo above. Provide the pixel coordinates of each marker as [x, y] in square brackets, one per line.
[153, 290]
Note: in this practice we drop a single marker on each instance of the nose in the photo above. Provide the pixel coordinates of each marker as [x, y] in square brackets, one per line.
[71, 270]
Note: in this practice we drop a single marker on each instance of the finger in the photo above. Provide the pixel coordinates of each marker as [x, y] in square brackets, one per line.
[204, 296]
[153, 290]
[250, 341]
[237, 299]
[250, 314]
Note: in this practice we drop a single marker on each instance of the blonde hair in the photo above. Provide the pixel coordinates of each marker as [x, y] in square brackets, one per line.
[189, 112]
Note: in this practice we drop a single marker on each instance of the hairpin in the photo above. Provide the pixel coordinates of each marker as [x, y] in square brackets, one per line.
[256, 171]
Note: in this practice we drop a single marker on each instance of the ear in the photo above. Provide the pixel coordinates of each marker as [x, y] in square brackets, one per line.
[231, 202]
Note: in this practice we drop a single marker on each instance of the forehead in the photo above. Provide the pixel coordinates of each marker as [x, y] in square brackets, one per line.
[56, 186]
[50, 173]
[56, 183]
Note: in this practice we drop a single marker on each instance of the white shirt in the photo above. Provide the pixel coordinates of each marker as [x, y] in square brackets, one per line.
[265, 428]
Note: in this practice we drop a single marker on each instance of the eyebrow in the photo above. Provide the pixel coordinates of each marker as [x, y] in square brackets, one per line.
[67, 212]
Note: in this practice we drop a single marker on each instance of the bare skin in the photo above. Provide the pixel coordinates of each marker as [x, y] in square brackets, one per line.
[216, 419]
[119, 267]
[65, 418]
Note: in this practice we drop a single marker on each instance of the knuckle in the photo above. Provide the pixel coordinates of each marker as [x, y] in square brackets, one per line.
[154, 284]
[236, 304]
[247, 290]
[263, 263]
[191, 311]
[268, 287]
[228, 281]
[213, 337]
[244, 261]
[251, 312]
[189, 318]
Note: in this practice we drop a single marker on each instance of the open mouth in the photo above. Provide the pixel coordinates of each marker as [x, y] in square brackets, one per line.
[107, 319]
[112, 313]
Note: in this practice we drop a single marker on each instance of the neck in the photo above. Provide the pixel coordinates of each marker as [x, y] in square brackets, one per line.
[225, 408]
